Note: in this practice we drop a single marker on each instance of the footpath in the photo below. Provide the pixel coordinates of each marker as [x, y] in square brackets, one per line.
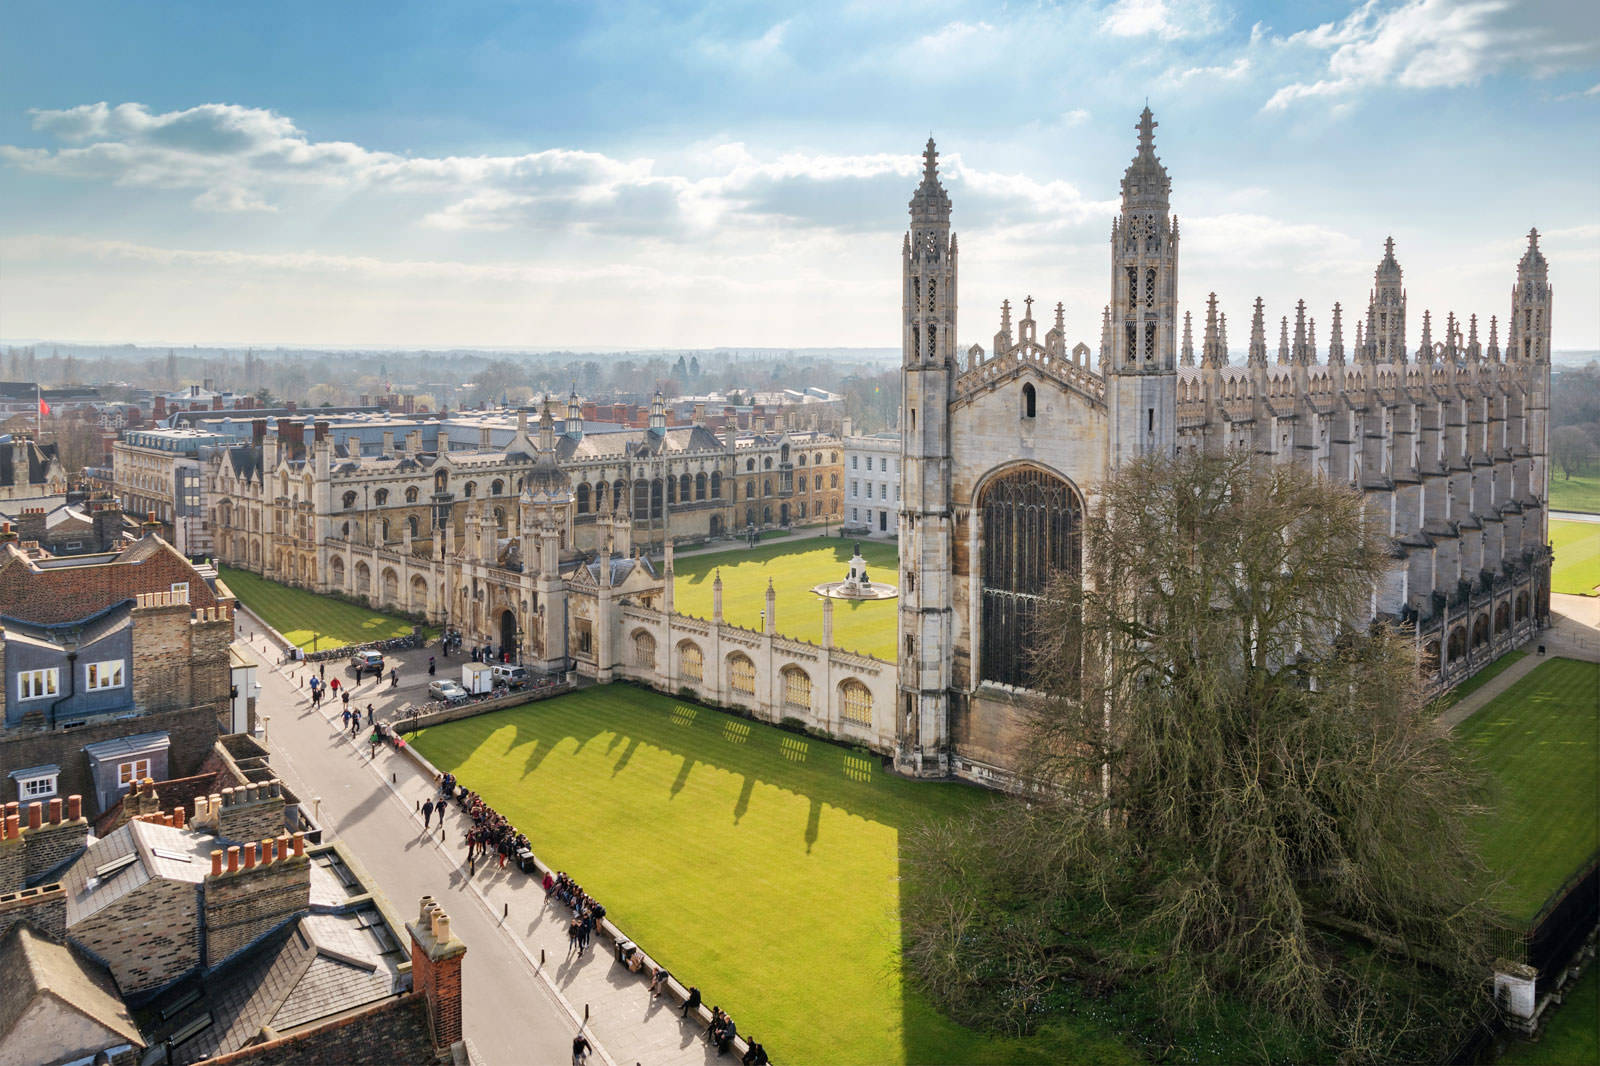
[1574, 634]
[525, 996]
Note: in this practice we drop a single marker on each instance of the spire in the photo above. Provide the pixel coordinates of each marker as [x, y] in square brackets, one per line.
[1222, 335]
[1105, 335]
[1005, 317]
[1061, 318]
[1283, 342]
[1425, 347]
[1311, 341]
[1300, 349]
[1212, 354]
[930, 204]
[1388, 266]
[1145, 184]
[1336, 337]
[1188, 341]
[1452, 352]
[1474, 349]
[1532, 266]
[1258, 337]
[1494, 339]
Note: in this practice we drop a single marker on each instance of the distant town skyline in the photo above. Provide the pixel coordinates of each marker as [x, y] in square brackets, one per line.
[544, 177]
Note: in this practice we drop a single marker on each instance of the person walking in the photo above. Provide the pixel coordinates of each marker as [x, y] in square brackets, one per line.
[580, 1050]
[345, 718]
[334, 684]
[322, 672]
[427, 813]
[430, 666]
[345, 695]
[394, 677]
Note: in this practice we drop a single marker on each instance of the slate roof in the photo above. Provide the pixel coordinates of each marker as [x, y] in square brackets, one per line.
[73, 587]
[35, 966]
[158, 851]
[24, 462]
[307, 971]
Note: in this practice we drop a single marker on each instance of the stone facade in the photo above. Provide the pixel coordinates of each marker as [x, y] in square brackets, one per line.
[1003, 449]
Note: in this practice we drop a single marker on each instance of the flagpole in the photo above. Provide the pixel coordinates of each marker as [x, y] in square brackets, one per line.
[38, 413]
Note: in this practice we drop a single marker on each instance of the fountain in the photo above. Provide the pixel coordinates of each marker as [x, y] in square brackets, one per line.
[856, 584]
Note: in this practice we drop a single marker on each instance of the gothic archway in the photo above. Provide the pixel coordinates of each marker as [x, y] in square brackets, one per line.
[508, 635]
[1032, 528]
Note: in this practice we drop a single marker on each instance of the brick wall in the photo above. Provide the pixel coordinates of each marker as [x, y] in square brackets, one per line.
[193, 730]
[13, 864]
[52, 844]
[436, 971]
[247, 904]
[179, 661]
[45, 908]
[148, 937]
[251, 811]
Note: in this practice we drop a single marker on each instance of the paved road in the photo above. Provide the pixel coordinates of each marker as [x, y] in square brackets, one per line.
[511, 1016]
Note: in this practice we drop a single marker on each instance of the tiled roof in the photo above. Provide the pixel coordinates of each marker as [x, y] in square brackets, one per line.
[35, 966]
[75, 587]
[157, 850]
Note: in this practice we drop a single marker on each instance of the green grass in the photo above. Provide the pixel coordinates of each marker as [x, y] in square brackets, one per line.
[794, 566]
[1481, 678]
[1577, 565]
[759, 865]
[1537, 741]
[305, 617]
[1571, 1036]
[1581, 493]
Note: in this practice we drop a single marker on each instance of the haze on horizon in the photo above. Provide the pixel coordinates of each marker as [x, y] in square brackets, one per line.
[635, 177]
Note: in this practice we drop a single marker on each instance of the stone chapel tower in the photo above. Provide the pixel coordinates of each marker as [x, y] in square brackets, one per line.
[1386, 312]
[1142, 369]
[928, 311]
[1529, 348]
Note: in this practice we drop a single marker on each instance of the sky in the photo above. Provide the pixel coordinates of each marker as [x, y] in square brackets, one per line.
[628, 174]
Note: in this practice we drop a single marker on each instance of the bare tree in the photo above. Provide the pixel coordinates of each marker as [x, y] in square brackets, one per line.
[1571, 448]
[1231, 767]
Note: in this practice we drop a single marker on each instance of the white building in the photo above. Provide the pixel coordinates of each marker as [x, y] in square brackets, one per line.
[872, 484]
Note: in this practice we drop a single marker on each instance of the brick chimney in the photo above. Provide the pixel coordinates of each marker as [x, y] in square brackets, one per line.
[160, 410]
[436, 972]
[107, 525]
[253, 894]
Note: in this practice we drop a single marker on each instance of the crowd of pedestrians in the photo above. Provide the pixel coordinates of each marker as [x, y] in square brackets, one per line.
[491, 834]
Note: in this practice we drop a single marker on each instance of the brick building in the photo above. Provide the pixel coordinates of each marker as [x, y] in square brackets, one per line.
[115, 667]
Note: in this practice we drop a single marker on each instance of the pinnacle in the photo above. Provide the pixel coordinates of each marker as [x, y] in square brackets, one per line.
[1146, 128]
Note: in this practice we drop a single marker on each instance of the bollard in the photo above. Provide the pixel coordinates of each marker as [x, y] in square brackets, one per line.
[393, 779]
[505, 913]
[586, 1014]
[419, 806]
[541, 956]
[266, 721]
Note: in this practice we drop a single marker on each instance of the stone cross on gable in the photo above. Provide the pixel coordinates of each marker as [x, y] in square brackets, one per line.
[1028, 313]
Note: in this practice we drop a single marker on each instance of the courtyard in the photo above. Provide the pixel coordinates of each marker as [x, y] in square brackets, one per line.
[1577, 564]
[309, 620]
[760, 865]
[793, 566]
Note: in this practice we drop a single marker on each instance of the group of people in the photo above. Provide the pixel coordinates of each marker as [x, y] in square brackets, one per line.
[586, 910]
[491, 834]
[487, 654]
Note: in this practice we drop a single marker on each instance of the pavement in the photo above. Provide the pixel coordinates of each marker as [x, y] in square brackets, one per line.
[523, 998]
[1574, 633]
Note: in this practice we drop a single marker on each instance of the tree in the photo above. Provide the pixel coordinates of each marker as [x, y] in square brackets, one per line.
[1239, 789]
[1571, 448]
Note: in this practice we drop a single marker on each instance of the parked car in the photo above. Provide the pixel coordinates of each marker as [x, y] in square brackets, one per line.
[366, 662]
[511, 676]
[446, 690]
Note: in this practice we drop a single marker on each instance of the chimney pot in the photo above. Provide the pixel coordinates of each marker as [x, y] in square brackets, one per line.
[283, 845]
[216, 862]
[35, 815]
[422, 913]
[179, 817]
[441, 926]
[233, 858]
[13, 826]
[227, 797]
[55, 811]
[215, 805]
[299, 844]
[250, 856]
[74, 808]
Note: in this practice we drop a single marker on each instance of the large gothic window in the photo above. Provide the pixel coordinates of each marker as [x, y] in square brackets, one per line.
[1032, 529]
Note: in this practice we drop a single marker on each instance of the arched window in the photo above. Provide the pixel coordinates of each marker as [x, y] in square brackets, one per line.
[600, 491]
[685, 484]
[380, 497]
[741, 674]
[855, 702]
[833, 481]
[691, 664]
[801, 459]
[749, 464]
[833, 457]
[767, 464]
[441, 481]
[796, 689]
[1029, 401]
[1032, 528]
[349, 500]
[582, 497]
[500, 519]
[644, 649]
[471, 487]
[716, 484]
[497, 487]
[412, 522]
[749, 490]
[766, 487]
[411, 494]
[700, 486]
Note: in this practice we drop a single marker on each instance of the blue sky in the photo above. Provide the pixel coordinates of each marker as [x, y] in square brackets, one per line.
[633, 174]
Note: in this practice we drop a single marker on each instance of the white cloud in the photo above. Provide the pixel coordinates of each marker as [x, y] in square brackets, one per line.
[1432, 44]
[1167, 19]
[230, 198]
[1235, 71]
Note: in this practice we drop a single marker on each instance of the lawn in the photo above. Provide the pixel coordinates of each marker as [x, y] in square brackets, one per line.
[1481, 678]
[306, 617]
[1537, 740]
[759, 865]
[794, 566]
[1580, 493]
[1577, 565]
[1572, 1034]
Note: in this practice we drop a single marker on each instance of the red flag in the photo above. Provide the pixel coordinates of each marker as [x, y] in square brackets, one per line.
[44, 408]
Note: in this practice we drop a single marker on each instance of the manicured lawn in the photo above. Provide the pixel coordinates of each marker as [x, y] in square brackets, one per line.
[1571, 1035]
[1538, 741]
[794, 566]
[306, 617]
[1581, 493]
[1481, 678]
[1577, 565]
[759, 865]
